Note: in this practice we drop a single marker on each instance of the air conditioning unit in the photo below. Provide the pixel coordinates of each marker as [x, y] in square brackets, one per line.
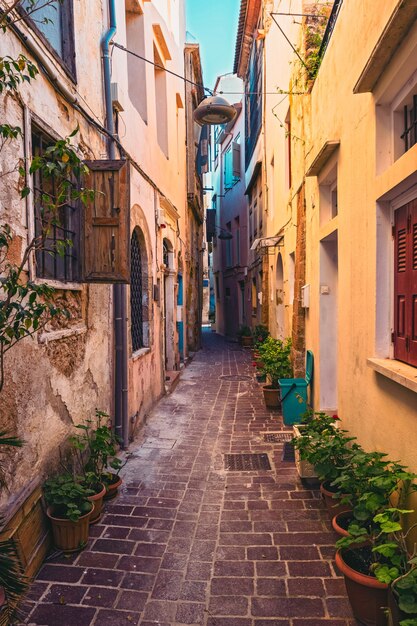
[305, 297]
[160, 218]
[114, 90]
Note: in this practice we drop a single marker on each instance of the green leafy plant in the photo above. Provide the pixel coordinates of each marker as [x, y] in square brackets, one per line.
[275, 357]
[386, 538]
[405, 591]
[260, 333]
[67, 495]
[96, 448]
[328, 448]
[370, 480]
[244, 331]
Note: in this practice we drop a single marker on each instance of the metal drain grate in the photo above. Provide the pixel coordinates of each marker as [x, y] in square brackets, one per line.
[288, 452]
[246, 462]
[279, 437]
[235, 377]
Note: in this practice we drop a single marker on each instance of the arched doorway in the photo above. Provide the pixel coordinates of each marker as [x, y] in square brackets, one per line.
[279, 298]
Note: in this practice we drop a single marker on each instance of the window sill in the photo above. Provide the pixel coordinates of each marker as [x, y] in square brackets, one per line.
[59, 284]
[399, 372]
[56, 335]
[139, 354]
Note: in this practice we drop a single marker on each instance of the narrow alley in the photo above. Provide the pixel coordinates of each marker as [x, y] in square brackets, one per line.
[190, 542]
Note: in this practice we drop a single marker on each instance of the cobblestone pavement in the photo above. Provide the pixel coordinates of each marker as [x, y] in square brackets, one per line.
[188, 542]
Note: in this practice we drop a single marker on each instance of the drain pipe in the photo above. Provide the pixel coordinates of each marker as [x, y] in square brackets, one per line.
[119, 290]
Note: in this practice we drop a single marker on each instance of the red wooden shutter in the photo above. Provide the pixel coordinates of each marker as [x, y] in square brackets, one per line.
[106, 257]
[405, 284]
[413, 283]
[400, 284]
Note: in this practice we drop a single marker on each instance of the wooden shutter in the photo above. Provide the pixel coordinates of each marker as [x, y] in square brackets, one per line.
[405, 284]
[106, 231]
[413, 283]
[236, 160]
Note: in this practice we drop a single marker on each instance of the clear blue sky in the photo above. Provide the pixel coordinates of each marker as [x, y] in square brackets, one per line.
[213, 23]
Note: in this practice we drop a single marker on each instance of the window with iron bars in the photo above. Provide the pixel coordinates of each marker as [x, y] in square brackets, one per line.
[63, 233]
[136, 293]
[409, 135]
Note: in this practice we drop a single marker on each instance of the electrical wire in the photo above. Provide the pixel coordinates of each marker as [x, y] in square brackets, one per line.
[211, 91]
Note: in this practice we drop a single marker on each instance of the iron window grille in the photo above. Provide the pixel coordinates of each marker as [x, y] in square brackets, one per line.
[410, 125]
[63, 233]
[136, 294]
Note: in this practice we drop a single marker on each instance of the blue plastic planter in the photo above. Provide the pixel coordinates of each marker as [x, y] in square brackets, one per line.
[294, 394]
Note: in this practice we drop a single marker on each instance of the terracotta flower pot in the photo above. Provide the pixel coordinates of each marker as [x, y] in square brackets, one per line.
[97, 500]
[70, 536]
[272, 396]
[337, 523]
[367, 596]
[112, 487]
[333, 504]
[247, 342]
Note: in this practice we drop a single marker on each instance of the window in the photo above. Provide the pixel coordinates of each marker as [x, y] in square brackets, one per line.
[139, 297]
[228, 169]
[229, 249]
[65, 266]
[136, 68]
[405, 283]
[161, 104]
[254, 298]
[328, 194]
[409, 135]
[237, 237]
[216, 134]
[253, 90]
[54, 20]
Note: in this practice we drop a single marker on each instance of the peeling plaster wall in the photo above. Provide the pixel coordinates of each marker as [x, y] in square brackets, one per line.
[54, 382]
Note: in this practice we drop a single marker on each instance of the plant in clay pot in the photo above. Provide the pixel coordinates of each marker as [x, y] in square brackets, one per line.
[98, 444]
[371, 558]
[69, 511]
[371, 481]
[276, 364]
[329, 451]
[260, 333]
[244, 335]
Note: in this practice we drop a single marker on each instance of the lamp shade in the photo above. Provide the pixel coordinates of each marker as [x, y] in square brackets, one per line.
[214, 110]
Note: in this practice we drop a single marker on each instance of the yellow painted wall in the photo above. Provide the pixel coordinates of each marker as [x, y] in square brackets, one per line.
[380, 412]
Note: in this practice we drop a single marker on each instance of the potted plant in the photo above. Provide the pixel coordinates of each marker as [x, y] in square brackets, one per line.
[370, 559]
[99, 444]
[69, 511]
[276, 364]
[371, 482]
[328, 450]
[244, 335]
[260, 333]
[402, 601]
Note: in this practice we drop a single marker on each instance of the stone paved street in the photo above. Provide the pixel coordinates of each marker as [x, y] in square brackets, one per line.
[188, 542]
